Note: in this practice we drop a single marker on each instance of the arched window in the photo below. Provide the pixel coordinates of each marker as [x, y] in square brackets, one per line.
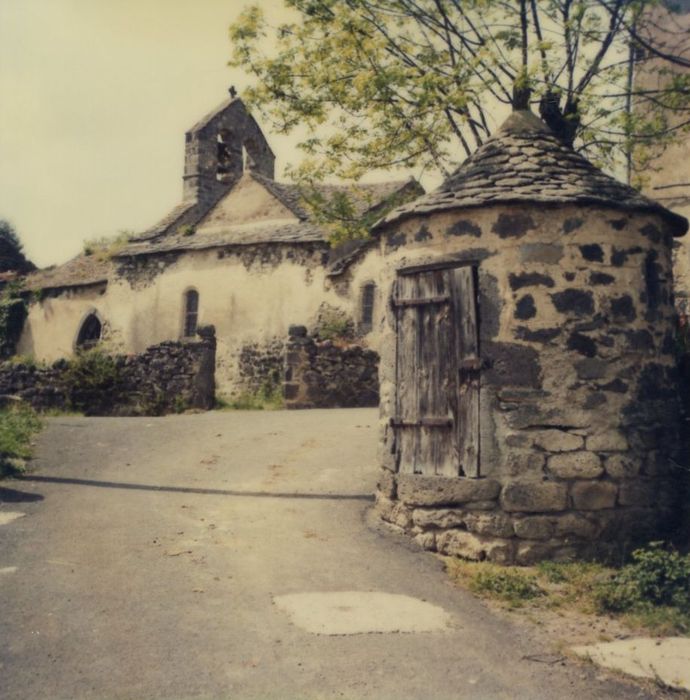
[191, 312]
[367, 307]
[90, 332]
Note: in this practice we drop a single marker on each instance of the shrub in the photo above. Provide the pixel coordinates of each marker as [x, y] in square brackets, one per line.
[91, 380]
[655, 577]
[18, 424]
[334, 324]
[12, 315]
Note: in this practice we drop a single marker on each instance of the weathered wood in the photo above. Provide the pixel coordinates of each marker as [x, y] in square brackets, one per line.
[430, 422]
[407, 388]
[445, 263]
[467, 416]
[423, 301]
[426, 375]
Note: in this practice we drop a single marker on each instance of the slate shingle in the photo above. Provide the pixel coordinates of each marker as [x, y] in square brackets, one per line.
[525, 162]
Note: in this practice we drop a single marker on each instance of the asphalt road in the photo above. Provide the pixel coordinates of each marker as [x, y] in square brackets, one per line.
[153, 557]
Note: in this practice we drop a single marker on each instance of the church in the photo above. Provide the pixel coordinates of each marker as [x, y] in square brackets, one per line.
[241, 252]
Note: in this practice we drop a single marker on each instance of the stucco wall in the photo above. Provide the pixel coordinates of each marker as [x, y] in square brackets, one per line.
[51, 328]
[578, 412]
[251, 294]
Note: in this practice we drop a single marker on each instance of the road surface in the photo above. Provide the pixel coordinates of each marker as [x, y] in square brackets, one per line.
[229, 555]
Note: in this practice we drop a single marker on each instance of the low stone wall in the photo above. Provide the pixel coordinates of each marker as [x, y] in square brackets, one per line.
[166, 378]
[261, 366]
[321, 374]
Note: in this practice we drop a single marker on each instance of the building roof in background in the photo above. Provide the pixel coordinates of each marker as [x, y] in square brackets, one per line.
[85, 270]
[525, 162]
[81, 271]
[365, 198]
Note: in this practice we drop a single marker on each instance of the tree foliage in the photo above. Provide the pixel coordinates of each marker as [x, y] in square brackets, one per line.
[418, 83]
[11, 256]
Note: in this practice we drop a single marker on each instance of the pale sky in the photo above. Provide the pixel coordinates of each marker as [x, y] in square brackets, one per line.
[95, 97]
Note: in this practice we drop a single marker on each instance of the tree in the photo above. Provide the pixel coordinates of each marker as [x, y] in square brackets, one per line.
[416, 83]
[12, 258]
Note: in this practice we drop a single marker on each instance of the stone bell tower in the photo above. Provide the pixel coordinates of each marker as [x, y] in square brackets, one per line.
[220, 147]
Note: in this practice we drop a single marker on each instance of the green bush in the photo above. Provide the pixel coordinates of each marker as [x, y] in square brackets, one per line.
[18, 424]
[12, 316]
[655, 577]
[92, 369]
[91, 380]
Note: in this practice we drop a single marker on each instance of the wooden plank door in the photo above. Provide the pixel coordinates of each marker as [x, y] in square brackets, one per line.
[436, 418]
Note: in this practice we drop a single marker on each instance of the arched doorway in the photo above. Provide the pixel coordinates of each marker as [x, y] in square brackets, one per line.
[89, 333]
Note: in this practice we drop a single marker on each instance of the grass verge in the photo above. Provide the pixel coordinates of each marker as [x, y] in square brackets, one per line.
[651, 593]
[268, 398]
[18, 425]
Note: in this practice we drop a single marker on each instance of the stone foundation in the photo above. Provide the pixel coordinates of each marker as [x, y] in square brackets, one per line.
[519, 522]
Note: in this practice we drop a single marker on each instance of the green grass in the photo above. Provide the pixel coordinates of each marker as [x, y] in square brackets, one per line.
[652, 592]
[268, 398]
[18, 425]
[513, 587]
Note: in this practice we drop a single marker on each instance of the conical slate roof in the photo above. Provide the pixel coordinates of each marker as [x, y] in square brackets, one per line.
[524, 162]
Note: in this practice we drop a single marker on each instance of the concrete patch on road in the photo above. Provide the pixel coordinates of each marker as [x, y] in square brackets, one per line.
[667, 660]
[7, 570]
[361, 612]
[7, 516]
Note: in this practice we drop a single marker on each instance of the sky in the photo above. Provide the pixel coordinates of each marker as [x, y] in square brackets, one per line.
[95, 97]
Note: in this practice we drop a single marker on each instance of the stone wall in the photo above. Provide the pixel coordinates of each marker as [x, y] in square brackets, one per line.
[579, 419]
[166, 378]
[323, 374]
[260, 366]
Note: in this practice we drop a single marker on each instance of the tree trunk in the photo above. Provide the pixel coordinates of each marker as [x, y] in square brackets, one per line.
[564, 122]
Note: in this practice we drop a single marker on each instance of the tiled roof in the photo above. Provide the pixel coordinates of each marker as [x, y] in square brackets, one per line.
[241, 235]
[525, 162]
[162, 226]
[80, 271]
[365, 197]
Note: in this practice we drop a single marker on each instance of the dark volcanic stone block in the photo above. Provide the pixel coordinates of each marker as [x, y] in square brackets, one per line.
[529, 279]
[601, 278]
[582, 344]
[574, 301]
[463, 227]
[510, 364]
[541, 335]
[513, 225]
[623, 309]
[525, 308]
[592, 252]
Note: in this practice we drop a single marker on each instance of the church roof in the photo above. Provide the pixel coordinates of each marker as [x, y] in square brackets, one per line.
[365, 197]
[81, 271]
[525, 162]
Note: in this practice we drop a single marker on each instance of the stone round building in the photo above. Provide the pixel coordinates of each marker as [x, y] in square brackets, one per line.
[528, 389]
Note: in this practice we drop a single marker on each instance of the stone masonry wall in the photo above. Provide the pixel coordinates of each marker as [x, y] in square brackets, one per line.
[166, 378]
[260, 366]
[321, 374]
[580, 452]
